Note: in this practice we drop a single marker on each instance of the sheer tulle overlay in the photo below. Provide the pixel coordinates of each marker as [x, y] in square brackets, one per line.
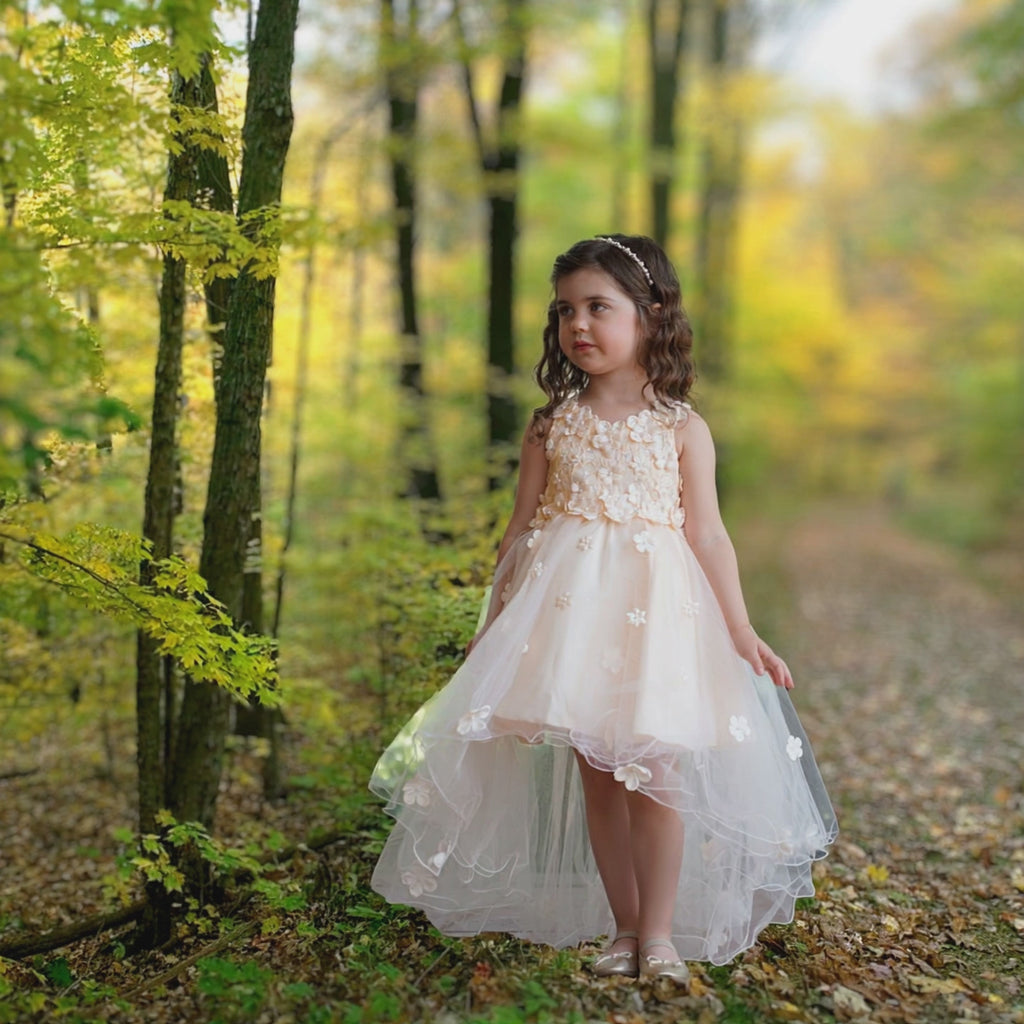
[603, 637]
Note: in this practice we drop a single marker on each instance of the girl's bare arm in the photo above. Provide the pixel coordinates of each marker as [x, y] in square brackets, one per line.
[711, 544]
[533, 477]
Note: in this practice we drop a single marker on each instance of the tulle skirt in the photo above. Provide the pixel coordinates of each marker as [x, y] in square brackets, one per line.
[603, 639]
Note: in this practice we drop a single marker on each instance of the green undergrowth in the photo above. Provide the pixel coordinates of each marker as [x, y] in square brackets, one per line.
[303, 937]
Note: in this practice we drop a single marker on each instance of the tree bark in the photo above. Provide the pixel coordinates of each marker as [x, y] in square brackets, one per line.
[667, 24]
[501, 172]
[233, 492]
[400, 59]
[215, 193]
[499, 161]
[153, 704]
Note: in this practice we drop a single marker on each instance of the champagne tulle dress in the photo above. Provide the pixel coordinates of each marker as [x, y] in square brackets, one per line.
[603, 637]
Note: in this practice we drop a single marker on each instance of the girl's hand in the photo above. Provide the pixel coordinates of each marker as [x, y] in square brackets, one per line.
[761, 657]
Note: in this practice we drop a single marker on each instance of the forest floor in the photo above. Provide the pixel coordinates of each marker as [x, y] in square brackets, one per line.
[909, 661]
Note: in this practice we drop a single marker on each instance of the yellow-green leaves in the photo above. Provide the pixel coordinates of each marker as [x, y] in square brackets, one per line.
[98, 567]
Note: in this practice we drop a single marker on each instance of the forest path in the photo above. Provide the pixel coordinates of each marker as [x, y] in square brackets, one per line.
[910, 683]
[909, 672]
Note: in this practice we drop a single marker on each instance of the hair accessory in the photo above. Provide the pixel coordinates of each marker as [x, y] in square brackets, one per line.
[632, 255]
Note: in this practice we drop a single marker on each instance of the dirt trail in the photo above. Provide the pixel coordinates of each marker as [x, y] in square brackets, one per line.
[911, 686]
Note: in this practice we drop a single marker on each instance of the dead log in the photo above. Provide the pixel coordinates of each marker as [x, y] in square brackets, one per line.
[43, 942]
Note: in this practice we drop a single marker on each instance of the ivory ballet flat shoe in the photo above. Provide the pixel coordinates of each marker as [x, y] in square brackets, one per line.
[656, 967]
[607, 965]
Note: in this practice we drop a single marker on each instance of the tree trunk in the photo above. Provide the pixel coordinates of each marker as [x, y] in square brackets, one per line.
[214, 194]
[232, 495]
[499, 160]
[667, 24]
[503, 426]
[722, 164]
[400, 57]
[152, 712]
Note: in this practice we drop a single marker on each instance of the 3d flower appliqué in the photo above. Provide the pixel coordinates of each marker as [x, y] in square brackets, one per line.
[506, 592]
[795, 748]
[533, 538]
[418, 882]
[644, 541]
[563, 601]
[601, 440]
[786, 847]
[637, 617]
[416, 792]
[537, 571]
[690, 608]
[739, 727]
[474, 721]
[618, 471]
[632, 776]
[585, 543]
[638, 428]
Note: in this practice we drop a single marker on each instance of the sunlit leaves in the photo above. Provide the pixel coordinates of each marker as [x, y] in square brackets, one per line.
[50, 367]
[98, 567]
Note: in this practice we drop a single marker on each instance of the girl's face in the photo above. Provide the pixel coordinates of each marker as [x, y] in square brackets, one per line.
[598, 323]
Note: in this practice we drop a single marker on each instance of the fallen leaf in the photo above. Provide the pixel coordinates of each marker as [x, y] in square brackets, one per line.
[849, 1005]
[940, 986]
[877, 873]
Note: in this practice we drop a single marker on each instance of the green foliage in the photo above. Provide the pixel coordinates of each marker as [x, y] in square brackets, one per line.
[157, 858]
[234, 991]
[87, 124]
[58, 972]
[993, 47]
[407, 606]
[99, 567]
[48, 990]
[50, 368]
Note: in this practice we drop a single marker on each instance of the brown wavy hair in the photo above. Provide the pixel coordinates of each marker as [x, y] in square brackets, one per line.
[666, 349]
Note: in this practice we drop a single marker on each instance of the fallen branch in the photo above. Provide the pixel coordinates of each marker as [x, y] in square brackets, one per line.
[18, 774]
[183, 965]
[43, 942]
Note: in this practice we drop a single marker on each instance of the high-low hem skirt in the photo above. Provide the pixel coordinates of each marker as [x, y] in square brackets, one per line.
[603, 639]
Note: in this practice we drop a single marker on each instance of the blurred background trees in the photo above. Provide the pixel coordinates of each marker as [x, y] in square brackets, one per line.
[853, 277]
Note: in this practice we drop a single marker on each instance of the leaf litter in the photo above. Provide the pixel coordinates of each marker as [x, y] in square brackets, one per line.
[908, 674]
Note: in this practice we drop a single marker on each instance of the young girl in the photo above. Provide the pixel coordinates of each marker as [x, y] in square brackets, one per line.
[616, 717]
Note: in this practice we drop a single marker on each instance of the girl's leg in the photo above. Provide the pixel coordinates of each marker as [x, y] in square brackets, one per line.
[656, 839]
[608, 825]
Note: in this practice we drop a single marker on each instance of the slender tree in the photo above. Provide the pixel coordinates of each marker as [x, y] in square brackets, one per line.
[499, 156]
[214, 193]
[401, 59]
[153, 690]
[668, 23]
[233, 492]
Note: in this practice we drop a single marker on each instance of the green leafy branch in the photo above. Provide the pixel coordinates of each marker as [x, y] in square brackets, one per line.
[189, 624]
[157, 860]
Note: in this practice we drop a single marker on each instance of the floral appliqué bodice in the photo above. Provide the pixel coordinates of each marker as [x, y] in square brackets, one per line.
[622, 470]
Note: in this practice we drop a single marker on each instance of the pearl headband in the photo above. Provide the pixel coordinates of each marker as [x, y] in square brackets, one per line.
[632, 255]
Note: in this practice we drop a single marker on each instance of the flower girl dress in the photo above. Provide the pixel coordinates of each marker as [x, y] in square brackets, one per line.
[603, 637]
